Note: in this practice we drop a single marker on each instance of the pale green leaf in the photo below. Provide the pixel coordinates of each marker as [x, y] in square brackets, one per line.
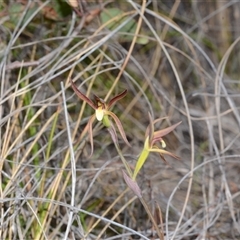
[114, 17]
[16, 10]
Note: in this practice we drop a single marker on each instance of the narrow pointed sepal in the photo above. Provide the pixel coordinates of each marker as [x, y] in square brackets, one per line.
[157, 135]
[82, 96]
[161, 151]
[116, 98]
[113, 133]
[88, 128]
[119, 125]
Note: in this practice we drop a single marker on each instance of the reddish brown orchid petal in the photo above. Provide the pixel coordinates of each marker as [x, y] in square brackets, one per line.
[113, 133]
[90, 122]
[150, 127]
[119, 125]
[163, 158]
[159, 134]
[88, 128]
[116, 98]
[82, 96]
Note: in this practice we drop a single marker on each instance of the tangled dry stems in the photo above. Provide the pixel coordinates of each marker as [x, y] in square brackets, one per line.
[188, 71]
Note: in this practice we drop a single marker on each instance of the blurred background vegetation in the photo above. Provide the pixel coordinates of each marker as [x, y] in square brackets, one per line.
[177, 59]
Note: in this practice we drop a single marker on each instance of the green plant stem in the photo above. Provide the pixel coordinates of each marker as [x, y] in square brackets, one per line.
[129, 171]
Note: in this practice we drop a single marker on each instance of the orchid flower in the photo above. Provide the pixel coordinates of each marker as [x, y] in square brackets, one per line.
[101, 113]
[151, 138]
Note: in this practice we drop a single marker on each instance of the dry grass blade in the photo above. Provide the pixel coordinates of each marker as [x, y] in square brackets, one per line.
[178, 61]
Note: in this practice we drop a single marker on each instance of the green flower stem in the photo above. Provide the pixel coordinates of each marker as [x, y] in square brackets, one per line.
[129, 171]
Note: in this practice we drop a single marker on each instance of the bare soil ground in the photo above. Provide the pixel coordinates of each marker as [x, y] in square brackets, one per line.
[178, 60]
